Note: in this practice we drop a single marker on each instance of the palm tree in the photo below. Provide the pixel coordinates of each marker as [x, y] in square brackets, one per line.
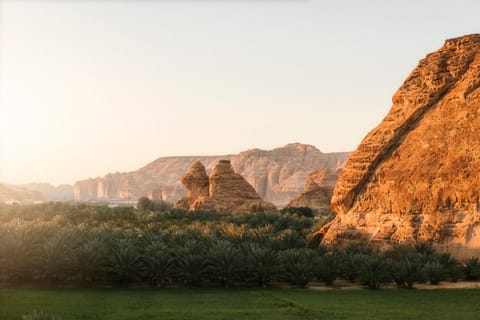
[88, 261]
[261, 262]
[158, 263]
[14, 260]
[223, 261]
[52, 261]
[374, 271]
[125, 261]
[190, 267]
[435, 272]
[409, 270]
[472, 269]
[326, 267]
[452, 266]
[291, 239]
[296, 266]
[349, 265]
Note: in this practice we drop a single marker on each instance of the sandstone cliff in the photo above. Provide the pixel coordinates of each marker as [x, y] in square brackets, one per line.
[224, 191]
[416, 176]
[277, 175]
[317, 191]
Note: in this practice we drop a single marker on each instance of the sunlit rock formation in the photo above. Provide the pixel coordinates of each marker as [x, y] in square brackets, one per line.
[416, 176]
[224, 191]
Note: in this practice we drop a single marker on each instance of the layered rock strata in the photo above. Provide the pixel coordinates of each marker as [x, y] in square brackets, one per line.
[416, 176]
[224, 191]
[277, 175]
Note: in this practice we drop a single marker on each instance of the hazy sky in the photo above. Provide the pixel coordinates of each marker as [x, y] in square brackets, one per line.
[91, 87]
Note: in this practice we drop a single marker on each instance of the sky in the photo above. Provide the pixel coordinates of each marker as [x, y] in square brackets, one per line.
[92, 87]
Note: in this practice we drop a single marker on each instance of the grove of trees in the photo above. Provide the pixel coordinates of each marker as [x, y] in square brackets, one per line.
[85, 245]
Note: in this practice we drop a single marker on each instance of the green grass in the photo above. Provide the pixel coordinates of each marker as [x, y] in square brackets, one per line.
[238, 304]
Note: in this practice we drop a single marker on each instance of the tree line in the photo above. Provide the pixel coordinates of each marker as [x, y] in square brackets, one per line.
[83, 245]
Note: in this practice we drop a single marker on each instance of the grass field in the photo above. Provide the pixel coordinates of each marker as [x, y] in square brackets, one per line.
[242, 304]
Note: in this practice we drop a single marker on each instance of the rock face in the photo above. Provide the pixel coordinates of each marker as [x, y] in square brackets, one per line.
[416, 176]
[277, 175]
[197, 184]
[196, 181]
[318, 190]
[224, 191]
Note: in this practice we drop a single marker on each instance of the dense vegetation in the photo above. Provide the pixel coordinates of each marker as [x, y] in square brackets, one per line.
[240, 304]
[76, 244]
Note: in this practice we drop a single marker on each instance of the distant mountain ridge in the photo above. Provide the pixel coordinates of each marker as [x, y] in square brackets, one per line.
[9, 192]
[62, 192]
[277, 175]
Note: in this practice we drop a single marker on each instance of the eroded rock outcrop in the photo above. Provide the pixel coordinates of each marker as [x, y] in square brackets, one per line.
[416, 176]
[318, 190]
[224, 191]
[197, 184]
